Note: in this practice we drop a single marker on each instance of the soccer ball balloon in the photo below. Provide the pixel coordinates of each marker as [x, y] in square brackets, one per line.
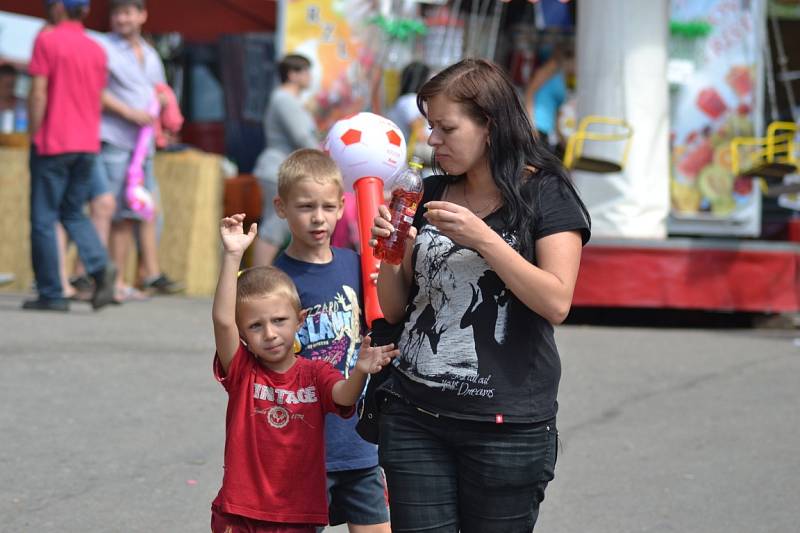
[366, 144]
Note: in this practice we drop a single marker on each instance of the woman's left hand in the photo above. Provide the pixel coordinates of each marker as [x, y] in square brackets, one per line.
[458, 223]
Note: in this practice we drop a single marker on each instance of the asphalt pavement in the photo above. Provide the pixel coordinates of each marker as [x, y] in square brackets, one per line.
[111, 421]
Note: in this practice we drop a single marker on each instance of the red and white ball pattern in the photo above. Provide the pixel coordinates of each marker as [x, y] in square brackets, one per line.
[364, 145]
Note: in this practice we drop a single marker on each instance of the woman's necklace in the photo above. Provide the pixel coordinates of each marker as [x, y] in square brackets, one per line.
[490, 204]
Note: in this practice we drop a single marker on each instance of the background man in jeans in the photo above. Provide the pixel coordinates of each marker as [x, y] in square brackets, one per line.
[68, 75]
[134, 69]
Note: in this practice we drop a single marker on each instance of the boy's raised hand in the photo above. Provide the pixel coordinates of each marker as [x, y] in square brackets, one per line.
[371, 359]
[234, 239]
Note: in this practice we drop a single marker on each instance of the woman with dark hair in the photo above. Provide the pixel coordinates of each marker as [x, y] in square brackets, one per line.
[468, 435]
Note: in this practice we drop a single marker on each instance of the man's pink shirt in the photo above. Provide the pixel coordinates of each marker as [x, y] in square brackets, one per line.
[76, 72]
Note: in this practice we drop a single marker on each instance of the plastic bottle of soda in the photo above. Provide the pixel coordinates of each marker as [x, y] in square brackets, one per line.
[406, 195]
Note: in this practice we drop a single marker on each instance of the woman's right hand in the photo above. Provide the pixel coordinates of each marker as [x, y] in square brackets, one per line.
[394, 280]
[381, 225]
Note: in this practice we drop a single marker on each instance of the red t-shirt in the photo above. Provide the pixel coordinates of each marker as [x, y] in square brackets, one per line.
[274, 439]
[75, 68]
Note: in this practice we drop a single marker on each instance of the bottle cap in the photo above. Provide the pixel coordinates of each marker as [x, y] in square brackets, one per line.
[415, 162]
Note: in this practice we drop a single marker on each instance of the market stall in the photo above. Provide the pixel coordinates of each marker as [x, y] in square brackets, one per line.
[674, 88]
[191, 202]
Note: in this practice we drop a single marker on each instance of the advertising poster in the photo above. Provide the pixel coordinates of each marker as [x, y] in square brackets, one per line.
[327, 32]
[715, 77]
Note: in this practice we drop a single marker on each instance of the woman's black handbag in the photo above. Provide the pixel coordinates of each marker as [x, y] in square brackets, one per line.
[382, 333]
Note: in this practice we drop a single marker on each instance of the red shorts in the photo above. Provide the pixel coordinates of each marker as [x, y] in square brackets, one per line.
[231, 523]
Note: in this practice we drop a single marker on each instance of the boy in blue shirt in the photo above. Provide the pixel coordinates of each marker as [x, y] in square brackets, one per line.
[310, 198]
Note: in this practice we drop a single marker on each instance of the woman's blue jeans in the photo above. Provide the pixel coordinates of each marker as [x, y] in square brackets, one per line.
[450, 475]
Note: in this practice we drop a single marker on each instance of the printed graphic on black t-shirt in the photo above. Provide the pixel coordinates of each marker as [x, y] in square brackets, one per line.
[469, 347]
[464, 295]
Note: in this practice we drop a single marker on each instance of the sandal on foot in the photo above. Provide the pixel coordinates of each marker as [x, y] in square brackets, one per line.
[129, 294]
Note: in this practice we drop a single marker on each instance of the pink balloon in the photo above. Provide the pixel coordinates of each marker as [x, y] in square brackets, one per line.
[139, 199]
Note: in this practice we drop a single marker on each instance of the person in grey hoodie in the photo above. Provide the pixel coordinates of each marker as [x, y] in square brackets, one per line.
[288, 126]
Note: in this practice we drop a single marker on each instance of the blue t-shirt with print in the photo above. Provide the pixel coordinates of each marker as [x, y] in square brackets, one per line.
[331, 295]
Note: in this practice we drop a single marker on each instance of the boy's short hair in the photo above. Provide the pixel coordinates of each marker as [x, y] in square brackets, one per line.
[307, 163]
[257, 282]
[292, 63]
[116, 4]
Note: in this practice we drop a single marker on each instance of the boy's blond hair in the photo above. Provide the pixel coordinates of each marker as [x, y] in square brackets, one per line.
[258, 282]
[307, 163]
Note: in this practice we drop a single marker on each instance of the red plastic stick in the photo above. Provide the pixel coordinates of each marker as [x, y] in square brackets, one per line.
[369, 195]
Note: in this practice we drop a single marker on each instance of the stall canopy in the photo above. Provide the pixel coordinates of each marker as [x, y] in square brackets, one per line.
[197, 20]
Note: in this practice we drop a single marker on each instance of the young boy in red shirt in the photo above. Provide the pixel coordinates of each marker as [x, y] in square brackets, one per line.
[274, 478]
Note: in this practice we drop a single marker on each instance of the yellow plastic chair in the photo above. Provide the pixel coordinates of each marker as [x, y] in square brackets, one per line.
[616, 130]
[770, 157]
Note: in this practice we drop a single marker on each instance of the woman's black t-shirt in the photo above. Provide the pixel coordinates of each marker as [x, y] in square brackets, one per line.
[469, 349]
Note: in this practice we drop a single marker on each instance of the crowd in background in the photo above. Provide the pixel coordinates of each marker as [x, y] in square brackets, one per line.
[90, 101]
[133, 76]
